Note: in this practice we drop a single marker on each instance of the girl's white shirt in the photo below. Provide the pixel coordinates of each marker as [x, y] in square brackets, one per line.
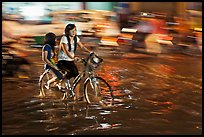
[62, 55]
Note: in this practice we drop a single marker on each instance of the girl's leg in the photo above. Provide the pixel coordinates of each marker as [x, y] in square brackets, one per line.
[50, 81]
[74, 74]
[53, 79]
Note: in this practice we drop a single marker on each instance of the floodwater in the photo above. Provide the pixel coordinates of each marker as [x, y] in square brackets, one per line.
[155, 95]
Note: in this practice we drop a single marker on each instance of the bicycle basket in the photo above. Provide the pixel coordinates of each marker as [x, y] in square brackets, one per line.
[94, 61]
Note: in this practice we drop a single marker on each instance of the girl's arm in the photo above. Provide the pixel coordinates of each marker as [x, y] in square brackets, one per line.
[44, 58]
[66, 51]
[83, 47]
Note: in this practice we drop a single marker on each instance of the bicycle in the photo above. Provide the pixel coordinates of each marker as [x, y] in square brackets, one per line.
[95, 88]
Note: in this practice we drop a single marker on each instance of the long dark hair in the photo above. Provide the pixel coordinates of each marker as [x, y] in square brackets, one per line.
[50, 39]
[67, 29]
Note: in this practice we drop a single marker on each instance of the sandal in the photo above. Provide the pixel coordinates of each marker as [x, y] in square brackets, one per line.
[47, 86]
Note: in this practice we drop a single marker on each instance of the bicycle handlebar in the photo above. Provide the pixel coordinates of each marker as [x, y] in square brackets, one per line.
[92, 57]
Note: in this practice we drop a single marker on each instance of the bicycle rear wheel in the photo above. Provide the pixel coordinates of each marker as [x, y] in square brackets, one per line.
[52, 90]
[98, 91]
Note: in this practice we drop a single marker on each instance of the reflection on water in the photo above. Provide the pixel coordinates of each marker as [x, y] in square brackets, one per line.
[153, 95]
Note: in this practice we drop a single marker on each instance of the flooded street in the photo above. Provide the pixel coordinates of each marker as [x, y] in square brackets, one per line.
[154, 95]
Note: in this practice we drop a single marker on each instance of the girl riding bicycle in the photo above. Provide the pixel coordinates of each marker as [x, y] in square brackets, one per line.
[66, 56]
[48, 54]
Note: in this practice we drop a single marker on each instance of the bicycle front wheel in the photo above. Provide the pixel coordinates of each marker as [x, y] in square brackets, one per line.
[97, 90]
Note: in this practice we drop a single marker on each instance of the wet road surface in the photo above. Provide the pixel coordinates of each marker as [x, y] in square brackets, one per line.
[155, 95]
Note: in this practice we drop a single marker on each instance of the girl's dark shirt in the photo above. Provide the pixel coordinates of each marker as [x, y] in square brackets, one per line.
[50, 54]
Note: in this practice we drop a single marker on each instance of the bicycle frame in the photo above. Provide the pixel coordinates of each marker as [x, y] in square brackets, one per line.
[78, 78]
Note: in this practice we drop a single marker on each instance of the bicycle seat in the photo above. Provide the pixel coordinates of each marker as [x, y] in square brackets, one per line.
[64, 72]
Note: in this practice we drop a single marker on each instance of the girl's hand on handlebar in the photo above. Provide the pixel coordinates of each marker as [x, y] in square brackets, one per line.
[91, 53]
[76, 59]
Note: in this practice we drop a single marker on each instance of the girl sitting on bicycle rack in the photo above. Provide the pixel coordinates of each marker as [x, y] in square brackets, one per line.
[48, 54]
[66, 56]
